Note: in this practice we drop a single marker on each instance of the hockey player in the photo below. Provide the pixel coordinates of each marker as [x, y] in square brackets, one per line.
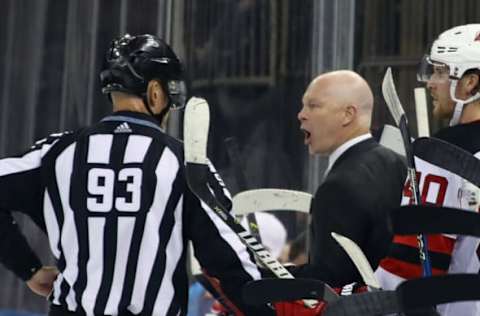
[114, 202]
[452, 75]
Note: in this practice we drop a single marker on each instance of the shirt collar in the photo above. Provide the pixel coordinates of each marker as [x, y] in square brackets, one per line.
[343, 148]
[138, 115]
[135, 118]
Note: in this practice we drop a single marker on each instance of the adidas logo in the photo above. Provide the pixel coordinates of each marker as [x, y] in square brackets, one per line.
[123, 128]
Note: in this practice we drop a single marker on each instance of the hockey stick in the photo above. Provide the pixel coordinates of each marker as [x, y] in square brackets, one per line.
[395, 108]
[271, 199]
[201, 277]
[422, 112]
[236, 163]
[374, 304]
[364, 304]
[410, 296]
[392, 139]
[446, 221]
[194, 153]
[359, 260]
[265, 291]
[448, 157]
[196, 124]
[205, 281]
[419, 293]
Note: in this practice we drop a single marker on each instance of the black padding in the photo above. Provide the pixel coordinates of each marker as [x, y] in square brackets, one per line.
[424, 292]
[448, 157]
[423, 219]
[365, 304]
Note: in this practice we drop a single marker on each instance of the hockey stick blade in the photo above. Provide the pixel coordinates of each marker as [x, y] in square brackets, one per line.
[271, 199]
[412, 295]
[197, 118]
[359, 260]
[391, 97]
[396, 110]
[364, 304]
[392, 138]
[421, 110]
[434, 220]
[424, 292]
[448, 157]
[196, 124]
[265, 291]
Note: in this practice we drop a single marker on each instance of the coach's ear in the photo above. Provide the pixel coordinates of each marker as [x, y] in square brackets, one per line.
[349, 114]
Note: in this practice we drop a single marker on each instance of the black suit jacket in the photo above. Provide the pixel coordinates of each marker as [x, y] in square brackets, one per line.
[364, 183]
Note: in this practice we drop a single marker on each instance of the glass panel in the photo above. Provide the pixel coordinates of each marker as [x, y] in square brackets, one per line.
[251, 61]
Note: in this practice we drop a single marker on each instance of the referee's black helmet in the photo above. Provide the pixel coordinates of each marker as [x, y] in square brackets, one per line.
[132, 61]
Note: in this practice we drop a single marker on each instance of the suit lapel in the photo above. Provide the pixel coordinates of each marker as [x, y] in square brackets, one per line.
[355, 150]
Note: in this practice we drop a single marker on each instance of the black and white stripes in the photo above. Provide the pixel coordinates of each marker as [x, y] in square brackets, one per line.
[120, 219]
[114, 211]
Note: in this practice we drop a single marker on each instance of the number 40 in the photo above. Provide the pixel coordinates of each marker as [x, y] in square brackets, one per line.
[441, 183]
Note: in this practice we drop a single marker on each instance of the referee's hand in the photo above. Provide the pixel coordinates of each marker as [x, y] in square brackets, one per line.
[41, 282]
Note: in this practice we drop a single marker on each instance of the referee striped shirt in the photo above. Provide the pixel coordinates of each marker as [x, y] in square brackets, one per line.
[114, 202]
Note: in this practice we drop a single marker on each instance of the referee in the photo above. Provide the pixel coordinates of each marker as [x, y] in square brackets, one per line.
[113, 200]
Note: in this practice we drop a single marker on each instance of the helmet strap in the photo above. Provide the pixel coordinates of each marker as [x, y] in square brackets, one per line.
[457, 112]
[459, 104]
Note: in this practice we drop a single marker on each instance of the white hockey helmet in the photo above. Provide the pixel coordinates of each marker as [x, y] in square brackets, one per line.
[453, 53]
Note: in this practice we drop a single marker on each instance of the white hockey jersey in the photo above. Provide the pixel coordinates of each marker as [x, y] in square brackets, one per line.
[448, 253]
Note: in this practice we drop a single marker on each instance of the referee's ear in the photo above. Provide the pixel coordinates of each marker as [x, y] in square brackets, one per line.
[156, 97]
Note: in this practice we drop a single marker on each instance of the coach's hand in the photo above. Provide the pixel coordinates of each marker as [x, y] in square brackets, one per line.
[41, 282]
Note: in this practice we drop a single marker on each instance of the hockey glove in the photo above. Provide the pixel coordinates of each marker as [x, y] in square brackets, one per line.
[297, 308]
